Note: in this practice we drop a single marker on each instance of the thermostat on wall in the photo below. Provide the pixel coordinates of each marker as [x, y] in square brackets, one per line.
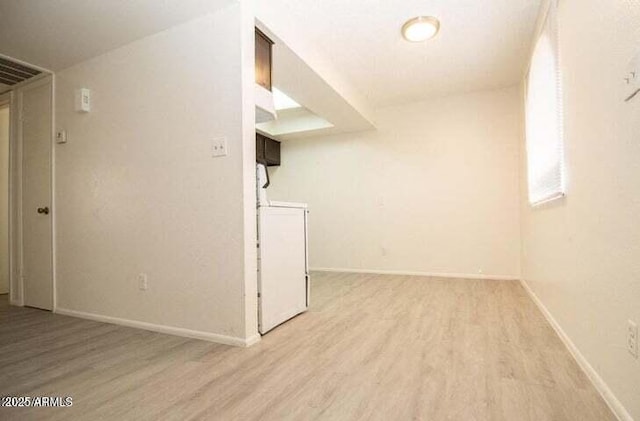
[83, 100]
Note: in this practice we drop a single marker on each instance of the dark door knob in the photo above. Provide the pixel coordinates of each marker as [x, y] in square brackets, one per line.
[44, 210]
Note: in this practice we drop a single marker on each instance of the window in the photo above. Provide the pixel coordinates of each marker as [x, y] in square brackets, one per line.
[545, 167]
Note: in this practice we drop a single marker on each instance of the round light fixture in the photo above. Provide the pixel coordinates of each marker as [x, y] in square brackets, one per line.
[420, 28]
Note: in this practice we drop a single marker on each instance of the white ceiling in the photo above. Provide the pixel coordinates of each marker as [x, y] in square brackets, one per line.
[482, 44]
[56, 34]
[339, 58]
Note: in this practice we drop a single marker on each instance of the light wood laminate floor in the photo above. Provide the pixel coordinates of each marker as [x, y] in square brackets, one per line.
[371, 347]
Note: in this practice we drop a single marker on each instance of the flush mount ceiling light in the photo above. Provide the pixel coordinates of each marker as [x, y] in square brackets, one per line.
[420, 28]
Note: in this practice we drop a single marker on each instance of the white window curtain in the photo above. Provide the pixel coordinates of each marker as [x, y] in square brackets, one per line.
[545, 150]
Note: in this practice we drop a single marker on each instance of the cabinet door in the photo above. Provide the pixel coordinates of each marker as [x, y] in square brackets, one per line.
[263, 60]
[272, 152]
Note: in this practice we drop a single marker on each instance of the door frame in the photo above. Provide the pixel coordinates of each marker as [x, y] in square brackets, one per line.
[6, 100]
[16, 262]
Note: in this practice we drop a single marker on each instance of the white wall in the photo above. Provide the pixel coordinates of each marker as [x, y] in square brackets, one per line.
[434, 189]
[138, 190]
[581, 255]
[4, 200]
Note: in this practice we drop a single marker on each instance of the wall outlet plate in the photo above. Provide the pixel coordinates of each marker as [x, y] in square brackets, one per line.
[219, 147]
[61, 136]
[632, 338]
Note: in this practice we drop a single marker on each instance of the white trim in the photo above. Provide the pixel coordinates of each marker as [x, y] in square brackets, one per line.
[19, 173]
[170, 330]
[52, 199]
[607, 394]
[16, 293]
[417, 273]
[252, 340]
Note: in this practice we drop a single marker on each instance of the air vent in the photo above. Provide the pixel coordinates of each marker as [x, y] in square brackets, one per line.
[12, 73]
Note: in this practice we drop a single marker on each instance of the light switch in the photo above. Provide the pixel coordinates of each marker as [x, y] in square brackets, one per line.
[220, 147]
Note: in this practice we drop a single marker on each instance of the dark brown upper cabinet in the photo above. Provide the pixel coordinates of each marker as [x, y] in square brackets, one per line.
[263, 60]
[267, 151]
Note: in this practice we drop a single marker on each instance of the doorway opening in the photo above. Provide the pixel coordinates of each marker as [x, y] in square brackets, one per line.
[26, 190]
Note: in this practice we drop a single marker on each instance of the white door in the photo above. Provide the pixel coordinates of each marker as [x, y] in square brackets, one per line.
[36, 130]
[282, 266]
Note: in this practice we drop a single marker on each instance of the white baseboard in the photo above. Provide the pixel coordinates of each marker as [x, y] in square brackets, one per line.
[414, 273]
[607, 394]
[170, 330]
[252, 340]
